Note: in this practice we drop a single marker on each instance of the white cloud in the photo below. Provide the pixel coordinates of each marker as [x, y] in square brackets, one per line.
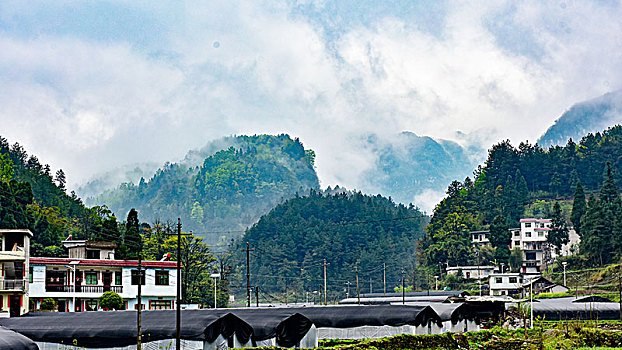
[251, 67]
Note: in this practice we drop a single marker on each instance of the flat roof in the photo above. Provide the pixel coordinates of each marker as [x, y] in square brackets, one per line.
[11, 230]
[97, 262]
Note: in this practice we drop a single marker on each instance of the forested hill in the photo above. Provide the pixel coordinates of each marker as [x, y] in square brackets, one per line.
[583, 118]
[228, 192]
[509, 181]
[347, 229]
[32, 197]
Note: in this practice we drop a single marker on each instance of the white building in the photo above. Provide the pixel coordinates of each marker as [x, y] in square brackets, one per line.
[14, 261]
[475, 272]
[77, 282]
[532, 240]
[509, 283]
[480, 237]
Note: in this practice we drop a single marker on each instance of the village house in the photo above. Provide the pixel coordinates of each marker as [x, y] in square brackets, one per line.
[77, 282]
[14, 261]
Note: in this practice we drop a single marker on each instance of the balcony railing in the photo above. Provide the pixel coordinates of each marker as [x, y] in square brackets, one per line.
[531, 263]
[12, 284]
[82, 288]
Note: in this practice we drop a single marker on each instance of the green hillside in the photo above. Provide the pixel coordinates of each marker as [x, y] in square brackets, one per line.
[228, 192]
[348, 229]
[34, 198]
[530, 180]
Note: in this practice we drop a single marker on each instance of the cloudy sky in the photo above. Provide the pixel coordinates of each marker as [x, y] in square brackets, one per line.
[88, 86]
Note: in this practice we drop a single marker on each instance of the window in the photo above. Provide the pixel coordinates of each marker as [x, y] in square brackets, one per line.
[92, 254]
[30, 272]
[540, 234]
[527, 234]
[517, 243]
[528, 224]
[161, 278]
[160, 304]
[498, 280]
[512, 279]
[91, 305]
[118, 278]
[90, 277]
[516, 233]
[135, 277]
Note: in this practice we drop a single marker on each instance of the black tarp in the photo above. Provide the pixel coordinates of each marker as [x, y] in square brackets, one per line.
[118, 328]
[287, 325]
[576, 309]
[10, 340]
[369, 315]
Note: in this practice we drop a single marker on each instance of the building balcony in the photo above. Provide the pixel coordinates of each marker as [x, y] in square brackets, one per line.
[18, 254]
[531, 263]
[61, 288]
[12, 285]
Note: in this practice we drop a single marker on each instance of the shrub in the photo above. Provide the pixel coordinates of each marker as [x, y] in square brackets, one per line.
[48, 304]
[111, 301]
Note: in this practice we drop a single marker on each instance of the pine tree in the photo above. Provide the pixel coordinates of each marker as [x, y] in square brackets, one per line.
[500, 238]
[578, 208]
[132, 234]
[60, 179]
[608, 190]
[559, 231]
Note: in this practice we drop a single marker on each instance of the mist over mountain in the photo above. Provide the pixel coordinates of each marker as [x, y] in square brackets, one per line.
[112, 178]
[227, 192]
[583, 118]
[415, 169]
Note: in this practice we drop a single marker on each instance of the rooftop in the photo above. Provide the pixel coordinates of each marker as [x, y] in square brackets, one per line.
[94, 262]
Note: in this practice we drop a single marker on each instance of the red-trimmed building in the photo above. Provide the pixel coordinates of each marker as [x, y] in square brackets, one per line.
[77, 283]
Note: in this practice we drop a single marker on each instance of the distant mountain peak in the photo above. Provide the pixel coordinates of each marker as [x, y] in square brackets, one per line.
[583, 118]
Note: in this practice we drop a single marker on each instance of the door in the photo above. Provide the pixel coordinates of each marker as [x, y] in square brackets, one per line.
[15, 304]
[62, 305]
[107, 279]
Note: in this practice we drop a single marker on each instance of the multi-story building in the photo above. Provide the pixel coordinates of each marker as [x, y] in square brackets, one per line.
[77, 282]
[532, 241]
[14, 258]
[509, 283]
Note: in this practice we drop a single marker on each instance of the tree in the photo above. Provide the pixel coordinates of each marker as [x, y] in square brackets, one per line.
[132, 237]
[608, 190]
[558, 235]
[500, 238]
[60, 179]
[578, 208]
[6, 168]
[196, 259]
[111, 301]
[515, 260]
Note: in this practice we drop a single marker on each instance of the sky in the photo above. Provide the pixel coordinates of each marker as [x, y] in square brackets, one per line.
[90, 86]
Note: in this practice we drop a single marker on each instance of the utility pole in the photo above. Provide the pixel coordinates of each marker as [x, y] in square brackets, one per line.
[248, 274]
[178, 310]
[257, 296]
[325, 287]
[403, 289]
[139, 297]
[358, 295]
[384, 278]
